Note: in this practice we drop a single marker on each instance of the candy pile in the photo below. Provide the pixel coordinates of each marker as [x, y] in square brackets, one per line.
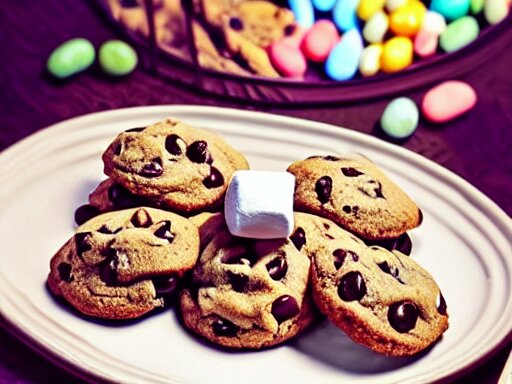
[378, 35]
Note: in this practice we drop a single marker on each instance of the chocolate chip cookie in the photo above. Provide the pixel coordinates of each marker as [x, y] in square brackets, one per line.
[356, 194]
[248, 28]
[381, 299]
[247, 293]
[173, 165]
[121, 265]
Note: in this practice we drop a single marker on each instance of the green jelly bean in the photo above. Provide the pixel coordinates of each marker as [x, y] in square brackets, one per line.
[459, 33]
[71, 57]
[400, 118]
[476, 6]
[117, 58]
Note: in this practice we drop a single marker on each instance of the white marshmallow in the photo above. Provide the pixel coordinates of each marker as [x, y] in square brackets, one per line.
[259, 204]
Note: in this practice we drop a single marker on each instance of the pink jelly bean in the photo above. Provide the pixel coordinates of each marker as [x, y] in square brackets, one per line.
[287, 59]
[425, 44]
[320, 40]
[295, 35]
[447, 101]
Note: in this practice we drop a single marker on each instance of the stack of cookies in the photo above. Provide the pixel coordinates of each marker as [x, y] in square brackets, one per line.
[154, 232]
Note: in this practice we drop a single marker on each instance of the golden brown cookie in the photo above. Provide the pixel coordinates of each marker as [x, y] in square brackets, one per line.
[177, 167]
[246, 293]
[356, 194]
[121, 265]
[381, 299]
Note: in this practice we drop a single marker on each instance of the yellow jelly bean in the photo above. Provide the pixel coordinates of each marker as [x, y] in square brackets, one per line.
[397, 54]
[367, 8]
[407, 19]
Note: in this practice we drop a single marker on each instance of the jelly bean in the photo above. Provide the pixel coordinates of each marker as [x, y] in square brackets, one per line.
[324, 5]
[495, 10]
[320, 40]
[397, 54]
[343, 60]
[407, 19]
[447, 101]
[287, 59]
[433, 23]
[344, 14]
[367, 8]
[117, 58]
[71, 57]
[392, 5]
[451, 9]
[400, 118]
[369, 64]
[459, 33]
[476, 6]
[376, 27]
[425, 44]
[303, 11]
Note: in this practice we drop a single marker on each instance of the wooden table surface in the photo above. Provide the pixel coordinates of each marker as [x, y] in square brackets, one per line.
[477, 146]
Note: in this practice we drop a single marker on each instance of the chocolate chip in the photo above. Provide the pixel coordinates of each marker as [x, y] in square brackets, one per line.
[347, 208]
[248, 258]
[166, 286]
[81, 243]
[351, 172]
[391, 270]
[284, 308]
[65, 272]
[441, 304]
[237, 281]
[152, 169]
[118, 148]
[198, 152]
[352, 286]
[277, 268]
[85, 213]
[223, 327]
[327, 226]
[403, 316]
[340, 255]
[214, 179]
[331, 158]
[138, 129]
[298, 238]
[164, 231]
[107, 271]
[236, 24]
[401, 243]
[141, 219]
[372, 189]
[289, 29]
[107, 231]
[420, 220]
[172, 145]
[121, 197]
[323, 189]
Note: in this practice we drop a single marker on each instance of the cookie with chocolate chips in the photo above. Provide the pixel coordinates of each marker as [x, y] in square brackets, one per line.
[247, 293]
[248, 28]
[124, 264]
[173, 165]
[381, 299]
[354, 193]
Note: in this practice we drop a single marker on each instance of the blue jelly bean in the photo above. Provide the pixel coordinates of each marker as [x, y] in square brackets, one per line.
[344, 14]
[303, 11]
[324, 5]
[451, 9]
[343, 61]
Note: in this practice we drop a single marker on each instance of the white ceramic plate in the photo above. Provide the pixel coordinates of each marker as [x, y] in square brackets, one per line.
[464, 241]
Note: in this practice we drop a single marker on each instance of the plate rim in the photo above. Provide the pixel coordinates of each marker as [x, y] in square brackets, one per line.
[446, 176]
